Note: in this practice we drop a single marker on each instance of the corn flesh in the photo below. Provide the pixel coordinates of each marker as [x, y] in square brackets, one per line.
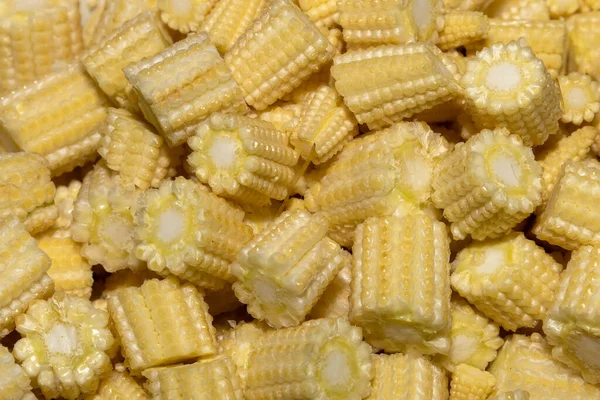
[584, 30]
[119, 386]
[581, 98]
[321, 12]
[64, 200]
[114, 13]
[462, 28]
[470, 383]
[185, 15]
[15, 384]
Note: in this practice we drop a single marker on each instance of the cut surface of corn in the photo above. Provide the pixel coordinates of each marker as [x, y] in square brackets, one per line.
[461, 28]
[185, 15]
[322, 12]
[584, 31]
[470, 383]
[518, 9]
[581, 98]
[335, 300]
[119, 386]
[114, 14]
[15, 384]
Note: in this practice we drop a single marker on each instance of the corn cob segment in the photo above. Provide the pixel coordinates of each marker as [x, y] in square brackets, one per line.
[119, 386]
[140, 37]
[279, 51]
[322, 12]
[15, 384]
[470, 383]
[64, 200]
[584, 32]
[581, 98]
[461, 28]
[512, 395]
[335, 300]
[161, 323]
[562, 8]
[511, 280]
[115, 13]
[518, 9]
[284, 117]
[64, 346]
[185, 15]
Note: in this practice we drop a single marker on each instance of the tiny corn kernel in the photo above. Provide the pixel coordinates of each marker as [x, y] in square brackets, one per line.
[584, 31]
[512, 395]
[15, 384]
[519, 9]
[279, 51]
[185, 15]
[161, 323]
[461, 28]
[562, 8]
[284, 118]
[321, 12]
[64, 200]
[335, 300]
[115, 13]
[470, 383]
[119, 386]
[581, 98]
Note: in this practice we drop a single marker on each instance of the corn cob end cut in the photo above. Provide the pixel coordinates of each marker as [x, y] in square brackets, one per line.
[581, 98]
[185, 15]
[470, 383]
[15, 384]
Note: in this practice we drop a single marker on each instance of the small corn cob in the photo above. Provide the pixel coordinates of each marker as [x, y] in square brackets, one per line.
[161, 323]
[470, 383]
[562, 8]
[140, 37]
[569, 219]
[283, 271]
[115, 13]
[119, 386]
[24, 273]
[526, 363]
[15, 384]
[332, 350]
[279, 51]
[407, 377]
[214, 378]
[512, 395]
[58, 117]
[511, 280]
[466, 5]
[321, 12]
[461, 28]
[584, 32]
[64, 200]
[386, 84]
[222, 301]
[581, 98]
[64, 346]
[518, 9]
[335, 300]
[185, 15]
[38, 38]
[204, 85]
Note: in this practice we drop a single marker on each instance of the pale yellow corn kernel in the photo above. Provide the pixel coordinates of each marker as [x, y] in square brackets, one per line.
[511, 395]
[131, 147]
[407, 377]
[569, 219]
[58, 117]
[518, 9]
[15, 384]
[386, 84]
[176, 102]
[511, 280]
[229, 19]
[126, 278]
[395, 311]
[23, 268]
[487, 185]
[93, 19]
[41, 219]
[526, 363]
[335, 300]
[222, 301]
[161, 323]
[119, 386]
[461, 28]
[258, 218]
[185, 15]
[466, 5]
[584, 32]
[562, 8]
[143, 36]
[581, 98]
[64, 200]
[213, 378]
[283, 271]
[321, 12]
[470, 383]
[279, 51]
[114, 14]
[284, 117]
[63, 346]
[343, 234]
[38, 38]
[320, 78]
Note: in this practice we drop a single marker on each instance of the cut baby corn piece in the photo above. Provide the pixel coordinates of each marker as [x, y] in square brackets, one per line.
[386, 84]
[461, 28]
[64, 346]
[283, 117]
[38, 38]
[244, 159]
[161, 323]
[321, 12]
[119, 386]
[526, 363]
[185, 230]
[214, 378]
[176, 103]
[470, 383]
[487, 185]
[283, 271]
[64, 199]
[400, 283]
[320, 359]
[511, 280]
[507, 86]
[58, 117]
[131, 147]
[279, 51]
[335, 300]
[143, 36]
[518, 9]
[103, 220]
[185, 15]
[562, 8]
[572, 323]
[512, 395]
[115, 13]
[581, 98]
[569, 219]
[584, 31]
[23, 273]
[15, 384]
[406, 377]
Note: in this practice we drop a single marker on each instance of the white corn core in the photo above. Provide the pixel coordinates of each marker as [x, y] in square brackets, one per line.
[507, 171]
[336, 368]
[266, 292]
[180, 7]
[576, 98]
[462, 348]
[492, 260]
[422, 13]
[170, 225]
[117, 230]
[503, 77]
[62, 339]
[587, 349]
[417, 174]
[223, 151]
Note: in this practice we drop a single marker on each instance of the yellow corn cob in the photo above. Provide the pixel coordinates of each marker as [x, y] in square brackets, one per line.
[487, 185]
[335, 300]
[140, 37]
[562, 8]
[185, 230]
[222, 301]
[406, 377]
[581, 98]
[64, 200]
[15, 384]
[584, 32]
[386, 84]
[38, 38]
[185, 15]
[512, 395]
[119, 386]
[283, 271]
[518, 9]
[161, 323]
[466, 5]
[115, 13]
[214, 378]
[511, 280]
[57, 117]
[569, 219]
[284, 118]
[526, 363]
[23, 267]
[461, 28]
[41, 219]
[470, 383]
[396, 309]
[64, 346]
[204, 85]
[321, 12]
[277, 53]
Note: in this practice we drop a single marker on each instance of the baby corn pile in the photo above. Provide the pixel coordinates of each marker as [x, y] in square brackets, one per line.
[300, 199]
